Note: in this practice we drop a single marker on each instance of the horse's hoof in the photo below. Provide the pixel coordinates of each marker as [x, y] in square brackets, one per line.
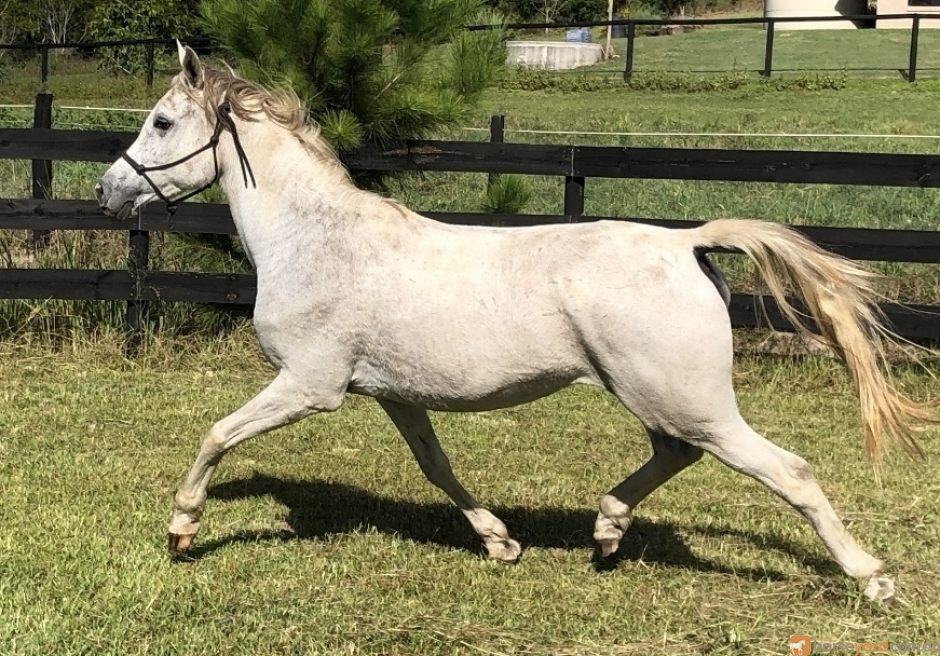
[178, 544]
[507, 551]
[605, 549]
[879, 588]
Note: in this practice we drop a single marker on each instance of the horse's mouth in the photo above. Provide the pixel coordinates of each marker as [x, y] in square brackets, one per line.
[122, 212]
[125, 211]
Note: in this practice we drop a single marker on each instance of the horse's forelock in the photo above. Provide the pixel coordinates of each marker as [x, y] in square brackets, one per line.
[281, 106]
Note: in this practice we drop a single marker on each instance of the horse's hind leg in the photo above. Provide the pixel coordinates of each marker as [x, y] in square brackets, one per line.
[669, 457]
[415, 426]
[280, 403]
[787, 474]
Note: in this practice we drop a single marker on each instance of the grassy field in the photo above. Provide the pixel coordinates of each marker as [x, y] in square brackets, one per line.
[323, 538]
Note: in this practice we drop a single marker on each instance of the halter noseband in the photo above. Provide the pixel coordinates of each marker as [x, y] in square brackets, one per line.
[223, 121]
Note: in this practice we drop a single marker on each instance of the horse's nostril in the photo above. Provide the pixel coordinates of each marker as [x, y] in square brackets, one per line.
[99, 191]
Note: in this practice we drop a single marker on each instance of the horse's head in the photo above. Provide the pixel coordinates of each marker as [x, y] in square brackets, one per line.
[175, 152]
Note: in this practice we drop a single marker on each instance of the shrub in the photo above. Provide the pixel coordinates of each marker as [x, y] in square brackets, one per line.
[507, 194]
[531, 79]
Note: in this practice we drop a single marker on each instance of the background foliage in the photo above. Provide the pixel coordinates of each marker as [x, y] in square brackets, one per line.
[55, 21]
[71, 21]
[369, 70]
[563, 11]
[118, 20]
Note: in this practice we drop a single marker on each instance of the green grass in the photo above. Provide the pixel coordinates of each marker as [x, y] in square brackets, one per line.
[324, 538]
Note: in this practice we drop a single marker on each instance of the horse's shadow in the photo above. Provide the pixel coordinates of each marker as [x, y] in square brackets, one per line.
[318, 509]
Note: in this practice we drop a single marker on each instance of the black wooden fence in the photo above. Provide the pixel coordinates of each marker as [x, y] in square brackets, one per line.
[138, 285]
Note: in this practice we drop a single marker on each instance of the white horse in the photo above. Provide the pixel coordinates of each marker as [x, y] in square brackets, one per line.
[357, 294]
[797, 648]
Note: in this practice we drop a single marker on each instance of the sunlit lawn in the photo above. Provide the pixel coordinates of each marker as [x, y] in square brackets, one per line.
[324, 538]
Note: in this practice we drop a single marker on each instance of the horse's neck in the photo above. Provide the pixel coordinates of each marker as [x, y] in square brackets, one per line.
[295, 203]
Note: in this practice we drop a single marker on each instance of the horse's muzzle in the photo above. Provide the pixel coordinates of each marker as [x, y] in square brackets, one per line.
[111, 203]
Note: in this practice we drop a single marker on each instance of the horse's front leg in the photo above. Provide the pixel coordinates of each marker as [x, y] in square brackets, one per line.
[415, 426]
[284, 401]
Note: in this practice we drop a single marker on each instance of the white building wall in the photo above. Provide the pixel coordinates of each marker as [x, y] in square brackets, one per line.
[783, 8]
[902, 7]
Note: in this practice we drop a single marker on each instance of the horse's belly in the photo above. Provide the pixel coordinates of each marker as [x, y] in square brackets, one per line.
[462, 391]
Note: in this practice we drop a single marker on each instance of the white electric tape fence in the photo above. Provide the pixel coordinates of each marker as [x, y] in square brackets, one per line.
[581, 133]
[762, 135]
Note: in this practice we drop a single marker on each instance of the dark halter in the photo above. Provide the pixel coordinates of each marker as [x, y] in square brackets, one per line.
[223, 121]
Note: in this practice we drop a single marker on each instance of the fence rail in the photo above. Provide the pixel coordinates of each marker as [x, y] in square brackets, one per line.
[138, 285]
[870, 244]
[781, 166]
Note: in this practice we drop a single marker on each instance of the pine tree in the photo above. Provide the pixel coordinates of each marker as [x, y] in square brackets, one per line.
[369, 70]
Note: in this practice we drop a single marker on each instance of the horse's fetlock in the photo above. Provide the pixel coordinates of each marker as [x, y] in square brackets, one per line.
[190, 503]
[613, 508]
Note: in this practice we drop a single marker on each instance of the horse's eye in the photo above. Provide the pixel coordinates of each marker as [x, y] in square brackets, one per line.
[162, 124]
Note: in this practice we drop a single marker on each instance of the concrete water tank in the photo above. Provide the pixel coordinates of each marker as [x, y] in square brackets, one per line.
[783, 8]
[553, 55]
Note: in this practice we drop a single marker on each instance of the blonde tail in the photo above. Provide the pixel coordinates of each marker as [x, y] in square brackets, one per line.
[840, 299]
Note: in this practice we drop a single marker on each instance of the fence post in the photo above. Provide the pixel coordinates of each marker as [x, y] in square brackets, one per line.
[43, 63]
[42, 168]
[631, 39]
[150, 64]
[769, 49]
[915, 35]
[574, 196]
[497, 128]
[138, 244]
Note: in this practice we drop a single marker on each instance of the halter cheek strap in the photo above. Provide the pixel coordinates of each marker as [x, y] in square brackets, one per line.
[223, 122]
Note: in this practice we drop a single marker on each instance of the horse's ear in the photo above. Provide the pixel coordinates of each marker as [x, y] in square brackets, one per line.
[192, 67]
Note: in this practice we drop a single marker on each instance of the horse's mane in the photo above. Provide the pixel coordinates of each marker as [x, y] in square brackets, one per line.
[281, 106]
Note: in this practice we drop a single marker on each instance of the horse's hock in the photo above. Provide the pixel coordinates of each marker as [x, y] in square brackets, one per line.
[554, 55]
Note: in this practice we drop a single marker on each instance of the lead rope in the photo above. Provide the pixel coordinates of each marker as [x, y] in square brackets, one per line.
[225, 113]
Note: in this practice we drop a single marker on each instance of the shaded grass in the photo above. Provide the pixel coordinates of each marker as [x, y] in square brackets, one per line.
[324, 537]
